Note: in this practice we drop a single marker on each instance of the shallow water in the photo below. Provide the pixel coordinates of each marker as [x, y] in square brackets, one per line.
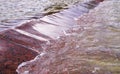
[13, 12]
[91, 48]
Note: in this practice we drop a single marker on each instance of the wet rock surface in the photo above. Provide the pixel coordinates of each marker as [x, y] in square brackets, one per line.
[24, 42]
[93, 47]
[12, 54]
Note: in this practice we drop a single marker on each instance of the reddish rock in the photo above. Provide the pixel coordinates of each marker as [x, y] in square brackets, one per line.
[12, 54]
[99, 0]
[94, 51]
[22, 43]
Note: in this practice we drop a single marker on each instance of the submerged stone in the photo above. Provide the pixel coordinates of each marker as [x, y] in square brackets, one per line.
[24, 41]
[94, 47]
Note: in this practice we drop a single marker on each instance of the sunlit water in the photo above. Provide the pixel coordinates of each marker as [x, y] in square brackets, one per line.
[91, 48]
[13, 12]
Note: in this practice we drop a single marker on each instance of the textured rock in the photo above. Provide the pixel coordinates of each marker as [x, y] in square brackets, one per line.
[24, 41]
[93, 47]
[12, 54]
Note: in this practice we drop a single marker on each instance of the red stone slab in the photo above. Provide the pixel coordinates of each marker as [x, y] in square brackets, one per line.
[18, 38]
[16, 47]
[12, 54]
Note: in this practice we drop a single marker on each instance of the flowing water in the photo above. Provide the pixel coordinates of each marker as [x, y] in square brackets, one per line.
[13, 12]
[92, 47]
